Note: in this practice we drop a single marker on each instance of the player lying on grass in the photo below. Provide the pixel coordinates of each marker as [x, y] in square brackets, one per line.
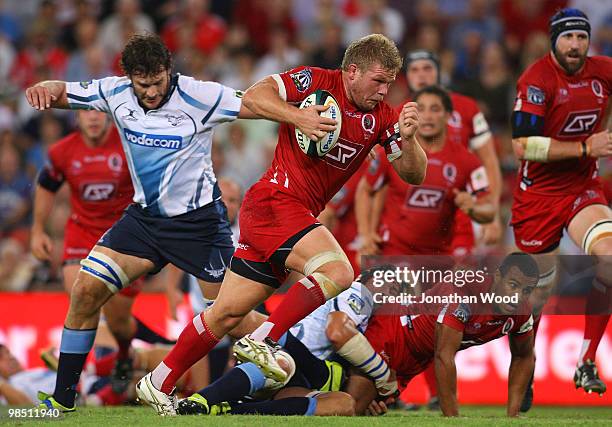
[410, 342]
[315, 384]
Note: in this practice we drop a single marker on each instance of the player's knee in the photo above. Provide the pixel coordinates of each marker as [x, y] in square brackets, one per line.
[86, 297]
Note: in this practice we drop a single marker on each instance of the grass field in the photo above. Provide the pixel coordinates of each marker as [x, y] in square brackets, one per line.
[471, 416]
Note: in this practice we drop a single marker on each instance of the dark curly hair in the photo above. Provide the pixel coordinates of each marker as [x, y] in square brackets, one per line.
[145, 54]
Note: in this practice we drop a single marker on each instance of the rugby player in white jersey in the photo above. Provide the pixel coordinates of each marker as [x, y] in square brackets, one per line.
[165, 121]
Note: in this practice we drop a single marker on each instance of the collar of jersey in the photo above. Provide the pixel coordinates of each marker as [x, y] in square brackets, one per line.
[173, 85]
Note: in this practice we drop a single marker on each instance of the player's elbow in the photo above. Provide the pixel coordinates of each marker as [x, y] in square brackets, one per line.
[338, 335]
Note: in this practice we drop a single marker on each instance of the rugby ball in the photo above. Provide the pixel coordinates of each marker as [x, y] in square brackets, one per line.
[325, 145]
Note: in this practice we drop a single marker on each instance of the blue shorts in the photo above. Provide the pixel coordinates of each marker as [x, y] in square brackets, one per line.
[198, 242]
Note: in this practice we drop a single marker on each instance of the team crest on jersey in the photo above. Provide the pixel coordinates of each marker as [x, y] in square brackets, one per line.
[455, 119]
[597, 88]
[85, 84]
[535, 95]
[462, 313]
[508, 326]
[449, 171]
[175, 120]
[302, 79]
[368, 123]
[115, 161]
[356, 303]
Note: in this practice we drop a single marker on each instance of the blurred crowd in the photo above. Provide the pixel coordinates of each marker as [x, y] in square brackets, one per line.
[483, 46]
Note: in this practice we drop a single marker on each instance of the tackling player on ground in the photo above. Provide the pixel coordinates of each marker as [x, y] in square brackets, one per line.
[559, 131]
[278, 226]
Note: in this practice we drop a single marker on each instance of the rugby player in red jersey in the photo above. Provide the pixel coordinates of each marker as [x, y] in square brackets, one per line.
[467, 126]
[419, 220]
[278, 226]
[559, 132]
[92, 162]
[435, 332]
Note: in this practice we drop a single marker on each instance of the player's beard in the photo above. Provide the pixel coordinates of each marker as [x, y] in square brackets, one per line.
[570, 68]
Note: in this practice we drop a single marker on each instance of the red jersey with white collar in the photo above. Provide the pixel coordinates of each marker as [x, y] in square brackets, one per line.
[314, 181]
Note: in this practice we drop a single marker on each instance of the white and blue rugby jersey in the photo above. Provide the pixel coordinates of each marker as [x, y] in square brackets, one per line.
[168, 149]
[356, 302]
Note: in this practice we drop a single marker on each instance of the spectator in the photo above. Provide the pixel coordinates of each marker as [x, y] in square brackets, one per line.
[240, 71]
[492, 87]
[9, 26]
[15, 208]
[88, 60]
[467, 37]
[522, 18]
[281, 56]
[126, 20]
[40, 55]
[375, 12]
[261, 17]
[330, 51]
[244, 160]
[82, 10]
[206, 31]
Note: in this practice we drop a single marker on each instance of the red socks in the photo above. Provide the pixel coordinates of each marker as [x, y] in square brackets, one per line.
[596, 319]
[302, 299]
[194, 343]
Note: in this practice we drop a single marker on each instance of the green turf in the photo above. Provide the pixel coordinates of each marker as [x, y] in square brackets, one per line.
[471, 416]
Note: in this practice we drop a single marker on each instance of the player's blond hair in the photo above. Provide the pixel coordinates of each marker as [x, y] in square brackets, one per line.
[368, 50]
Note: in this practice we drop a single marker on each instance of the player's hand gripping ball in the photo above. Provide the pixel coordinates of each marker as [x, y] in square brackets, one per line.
[328, 142]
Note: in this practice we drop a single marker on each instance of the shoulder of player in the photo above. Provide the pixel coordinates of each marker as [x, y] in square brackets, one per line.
[601, 66]
[538, 72]
[63, 149]
[200, 94]
[463, 104]
[66, 143]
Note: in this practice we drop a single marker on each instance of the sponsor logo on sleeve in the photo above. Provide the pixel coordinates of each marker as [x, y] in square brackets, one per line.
[169, 142]
[535, 95]
[355, 303]
[302, 79]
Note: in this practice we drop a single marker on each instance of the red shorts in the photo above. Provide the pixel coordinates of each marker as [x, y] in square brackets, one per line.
[463, 234]
[539, 220]
[386, 335]
[268, 218]
[78, 242]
